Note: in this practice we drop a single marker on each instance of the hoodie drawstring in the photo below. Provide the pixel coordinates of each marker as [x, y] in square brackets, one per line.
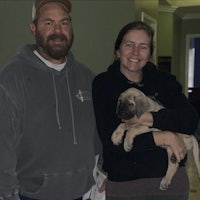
[71, 107]
[72, 110]
[56, 99]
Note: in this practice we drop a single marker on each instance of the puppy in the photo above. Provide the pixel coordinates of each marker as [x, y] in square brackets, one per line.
[133, 102]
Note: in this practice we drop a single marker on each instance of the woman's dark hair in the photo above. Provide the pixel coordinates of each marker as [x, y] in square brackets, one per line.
[136, 25]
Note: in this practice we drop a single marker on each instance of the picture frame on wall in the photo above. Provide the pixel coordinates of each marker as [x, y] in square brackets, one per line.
[153, 23]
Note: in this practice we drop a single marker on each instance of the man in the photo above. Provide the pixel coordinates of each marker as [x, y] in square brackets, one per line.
[47, 125]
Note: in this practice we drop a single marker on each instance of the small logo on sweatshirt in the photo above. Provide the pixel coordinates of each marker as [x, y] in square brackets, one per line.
[84, 95]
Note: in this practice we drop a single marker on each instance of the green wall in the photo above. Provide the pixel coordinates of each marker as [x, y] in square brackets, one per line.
[150, 7]
[15, 16]
[96, 24]
[165, 34]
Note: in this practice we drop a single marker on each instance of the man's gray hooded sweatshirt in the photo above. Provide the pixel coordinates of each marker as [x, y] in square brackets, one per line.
[47, 129]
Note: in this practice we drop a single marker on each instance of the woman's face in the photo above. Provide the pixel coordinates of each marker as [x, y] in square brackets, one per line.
[134, 51]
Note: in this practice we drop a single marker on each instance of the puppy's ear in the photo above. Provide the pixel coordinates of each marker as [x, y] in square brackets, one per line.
[141, 105]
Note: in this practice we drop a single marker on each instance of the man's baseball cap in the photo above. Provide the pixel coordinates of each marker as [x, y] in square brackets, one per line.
[39, 3]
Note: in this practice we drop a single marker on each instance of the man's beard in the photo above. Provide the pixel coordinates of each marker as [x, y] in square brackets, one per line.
[55, 51]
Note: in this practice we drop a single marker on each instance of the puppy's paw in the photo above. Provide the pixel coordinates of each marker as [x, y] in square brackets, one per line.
[128, 144]
[116, 137]
[164, 184]
[127, 148]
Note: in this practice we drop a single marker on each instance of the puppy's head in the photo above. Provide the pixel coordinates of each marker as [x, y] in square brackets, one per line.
[131, 103]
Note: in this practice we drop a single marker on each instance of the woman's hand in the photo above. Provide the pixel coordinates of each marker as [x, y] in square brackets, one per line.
[172, 140]
[162, 138]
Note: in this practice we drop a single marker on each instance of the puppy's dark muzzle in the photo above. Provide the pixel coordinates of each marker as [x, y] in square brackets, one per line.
[125, 111]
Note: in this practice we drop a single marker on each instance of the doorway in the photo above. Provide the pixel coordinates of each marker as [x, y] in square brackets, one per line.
[193, 69]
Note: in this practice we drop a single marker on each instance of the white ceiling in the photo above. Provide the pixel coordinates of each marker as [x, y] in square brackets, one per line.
[187, 9]
[183, 3]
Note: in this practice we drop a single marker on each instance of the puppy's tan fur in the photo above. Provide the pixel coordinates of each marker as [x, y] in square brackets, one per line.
[132, 103]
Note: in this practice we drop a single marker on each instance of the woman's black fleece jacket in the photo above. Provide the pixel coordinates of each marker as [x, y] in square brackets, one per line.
[145, 160]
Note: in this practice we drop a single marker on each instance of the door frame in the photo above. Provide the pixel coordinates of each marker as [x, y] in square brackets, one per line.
[188, 38]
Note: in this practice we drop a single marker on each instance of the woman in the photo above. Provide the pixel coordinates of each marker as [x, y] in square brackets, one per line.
[136, 175]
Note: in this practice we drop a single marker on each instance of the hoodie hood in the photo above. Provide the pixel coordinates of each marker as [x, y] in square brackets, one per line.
[27, 50]
[114, 70]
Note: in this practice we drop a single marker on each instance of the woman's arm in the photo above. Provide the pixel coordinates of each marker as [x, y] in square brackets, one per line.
[178, 115]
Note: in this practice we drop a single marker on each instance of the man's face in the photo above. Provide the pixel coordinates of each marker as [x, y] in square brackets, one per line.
[53, 32]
